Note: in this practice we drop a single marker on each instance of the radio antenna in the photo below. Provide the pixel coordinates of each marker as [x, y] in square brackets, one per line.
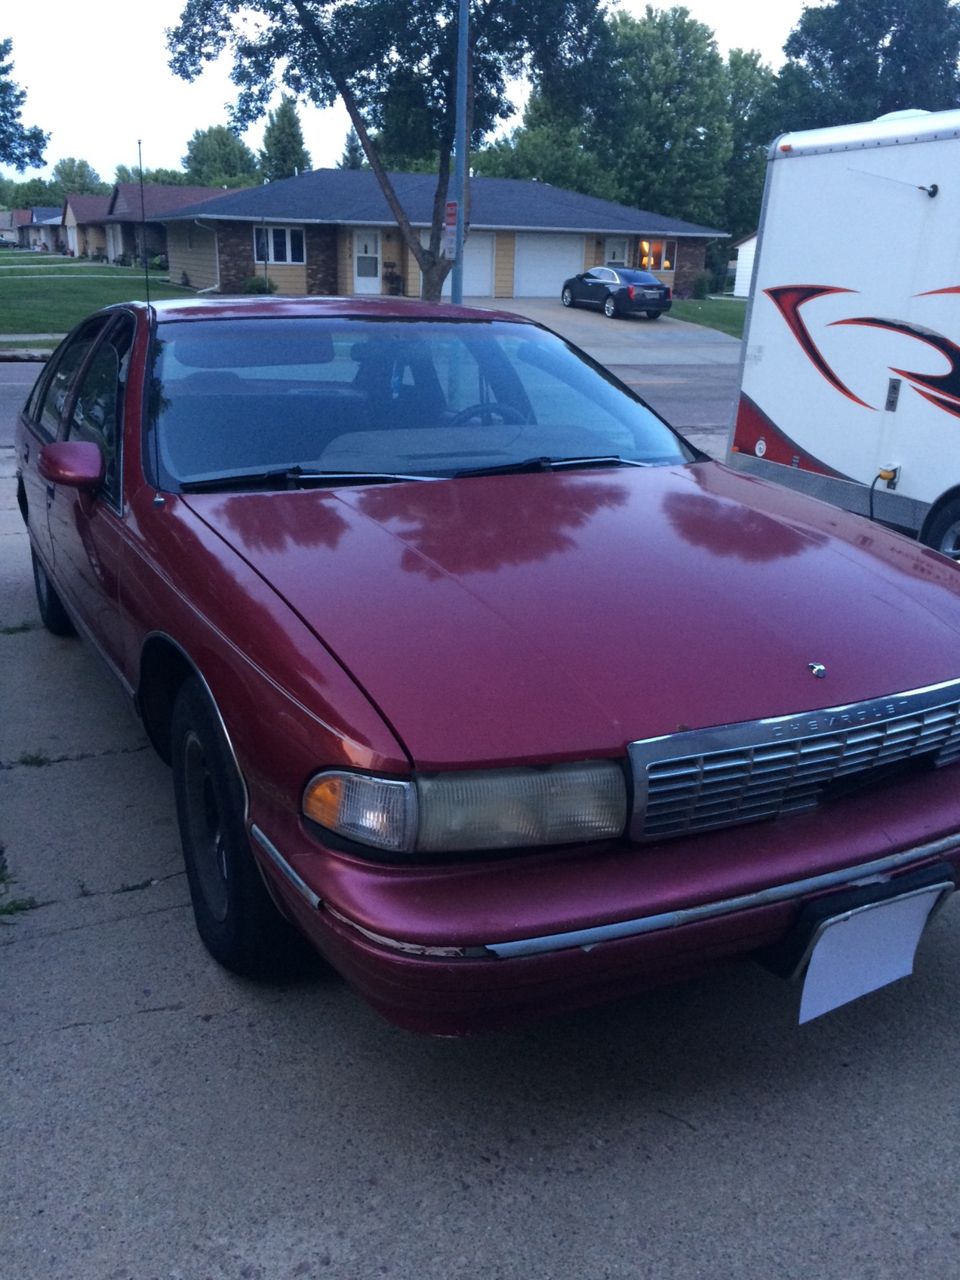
[143, 224]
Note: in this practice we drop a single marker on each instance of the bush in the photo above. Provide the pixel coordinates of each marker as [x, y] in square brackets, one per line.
[159, 262]
[260, 284]
[701, 285]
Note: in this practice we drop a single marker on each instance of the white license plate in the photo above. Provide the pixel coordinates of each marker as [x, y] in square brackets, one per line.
[866, 948]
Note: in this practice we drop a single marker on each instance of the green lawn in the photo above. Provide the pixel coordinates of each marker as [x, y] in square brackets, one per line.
[725, 314]
[61, 292]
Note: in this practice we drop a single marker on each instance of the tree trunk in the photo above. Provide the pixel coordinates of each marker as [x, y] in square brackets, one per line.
[433, 277]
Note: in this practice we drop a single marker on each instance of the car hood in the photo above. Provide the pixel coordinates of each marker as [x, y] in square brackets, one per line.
[564, 614]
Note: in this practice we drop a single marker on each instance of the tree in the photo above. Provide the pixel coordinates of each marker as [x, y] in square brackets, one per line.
[352, 157]
[20, 146]
[216, 157]
[283, 154]
[864, 58]
[388, 62]
[162, 177]
[644, 122]
[77, 178]
[751, 110]
[551, 146]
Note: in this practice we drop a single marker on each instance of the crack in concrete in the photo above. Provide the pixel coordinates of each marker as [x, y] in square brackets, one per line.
[90, 924]
[38, 761]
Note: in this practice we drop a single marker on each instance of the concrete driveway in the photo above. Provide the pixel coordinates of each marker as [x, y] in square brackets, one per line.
[161, 1120]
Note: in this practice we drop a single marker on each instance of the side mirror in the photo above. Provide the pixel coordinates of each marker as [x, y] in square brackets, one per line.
[78, 464]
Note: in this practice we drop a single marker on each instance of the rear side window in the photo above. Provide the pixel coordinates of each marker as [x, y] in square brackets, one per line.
[55, 392]
[97, 413]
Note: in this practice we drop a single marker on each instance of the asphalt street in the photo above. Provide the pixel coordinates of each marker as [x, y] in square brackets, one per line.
[162, 1120]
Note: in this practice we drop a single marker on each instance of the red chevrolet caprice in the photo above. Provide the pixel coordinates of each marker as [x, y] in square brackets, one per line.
[473, 672]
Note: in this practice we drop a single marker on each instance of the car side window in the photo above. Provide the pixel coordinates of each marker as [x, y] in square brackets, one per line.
[97, 413]
[56, 391]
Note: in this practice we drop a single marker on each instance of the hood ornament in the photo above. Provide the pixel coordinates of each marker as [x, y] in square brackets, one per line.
[817, 669]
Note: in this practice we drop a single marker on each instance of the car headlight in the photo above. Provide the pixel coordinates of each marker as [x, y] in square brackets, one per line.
[476, 810]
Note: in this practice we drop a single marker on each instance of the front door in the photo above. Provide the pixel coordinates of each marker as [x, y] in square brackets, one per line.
[366, 262]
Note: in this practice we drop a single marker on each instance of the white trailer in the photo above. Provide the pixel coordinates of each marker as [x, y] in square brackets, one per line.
[850, 381]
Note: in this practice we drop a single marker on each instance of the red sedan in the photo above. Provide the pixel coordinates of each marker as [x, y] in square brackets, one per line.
[470, 670]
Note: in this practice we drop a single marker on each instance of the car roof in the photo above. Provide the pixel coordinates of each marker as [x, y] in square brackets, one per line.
[228, 308]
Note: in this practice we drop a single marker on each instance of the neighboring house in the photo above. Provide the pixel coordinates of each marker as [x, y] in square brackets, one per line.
[135, 217]
[331, 232]
[42, 231]
[84, 232]
[746, 252]
[10, 221]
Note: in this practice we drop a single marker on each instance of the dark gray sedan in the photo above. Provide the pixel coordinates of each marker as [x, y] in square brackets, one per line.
[618, 291]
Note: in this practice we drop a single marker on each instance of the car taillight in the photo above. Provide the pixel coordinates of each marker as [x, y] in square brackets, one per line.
[630, 292]
[666, 292]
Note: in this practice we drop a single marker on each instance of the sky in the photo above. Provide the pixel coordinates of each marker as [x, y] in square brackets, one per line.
[97, 79]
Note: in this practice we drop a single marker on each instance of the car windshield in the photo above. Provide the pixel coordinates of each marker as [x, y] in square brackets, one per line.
[278, 399]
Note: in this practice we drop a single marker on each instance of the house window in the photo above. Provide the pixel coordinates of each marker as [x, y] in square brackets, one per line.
[658, 255]
[278, 244]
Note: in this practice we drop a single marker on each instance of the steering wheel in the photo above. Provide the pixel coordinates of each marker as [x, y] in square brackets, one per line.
[485, 412]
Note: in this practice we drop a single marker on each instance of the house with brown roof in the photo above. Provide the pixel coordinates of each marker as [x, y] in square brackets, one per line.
[83, 232]
[134, 223]
[331, 232]
[10, 222]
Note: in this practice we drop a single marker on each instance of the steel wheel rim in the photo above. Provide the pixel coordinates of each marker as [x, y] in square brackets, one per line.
[205, 825]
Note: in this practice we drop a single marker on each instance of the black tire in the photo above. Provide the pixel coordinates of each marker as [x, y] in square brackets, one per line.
[236, 918]
[653, 315]
[566, 297]
[943, 532]
[52, 613]
[610, 307]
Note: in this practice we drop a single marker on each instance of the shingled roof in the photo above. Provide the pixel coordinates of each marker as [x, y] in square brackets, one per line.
[353, 197]
[159, 200]
[88, 209]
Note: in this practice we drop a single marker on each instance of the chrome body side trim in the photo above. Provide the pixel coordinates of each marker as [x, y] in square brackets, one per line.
[284, 867]
[881, 868]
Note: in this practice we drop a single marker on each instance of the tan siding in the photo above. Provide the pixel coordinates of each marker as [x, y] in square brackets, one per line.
[391, 250]
[504, 261]
[592, 252]
[289, 277]
[192, 251]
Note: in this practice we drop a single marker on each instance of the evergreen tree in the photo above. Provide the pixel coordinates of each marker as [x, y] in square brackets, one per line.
[283, 154]
[352, 157]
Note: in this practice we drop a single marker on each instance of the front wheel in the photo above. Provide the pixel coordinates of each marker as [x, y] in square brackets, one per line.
[49, 605]
[943, 532]
[235, 916]
[609, 307]
[566, 297]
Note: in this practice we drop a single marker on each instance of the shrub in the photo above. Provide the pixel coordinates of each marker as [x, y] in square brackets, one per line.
[701, 285]
[260, 284]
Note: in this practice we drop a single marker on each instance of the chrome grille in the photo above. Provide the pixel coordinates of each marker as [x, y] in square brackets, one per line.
[738, 773]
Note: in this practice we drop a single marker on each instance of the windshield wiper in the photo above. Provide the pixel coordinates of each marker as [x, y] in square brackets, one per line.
[290, 478]
[551, 464]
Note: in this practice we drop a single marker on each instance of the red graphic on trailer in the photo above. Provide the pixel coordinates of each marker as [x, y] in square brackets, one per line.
[941, 390]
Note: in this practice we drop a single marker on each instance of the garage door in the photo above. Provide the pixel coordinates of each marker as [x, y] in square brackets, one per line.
[477, 266]
[543, 263]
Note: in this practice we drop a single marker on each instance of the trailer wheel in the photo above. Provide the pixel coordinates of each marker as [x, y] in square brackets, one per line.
[943, 532]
